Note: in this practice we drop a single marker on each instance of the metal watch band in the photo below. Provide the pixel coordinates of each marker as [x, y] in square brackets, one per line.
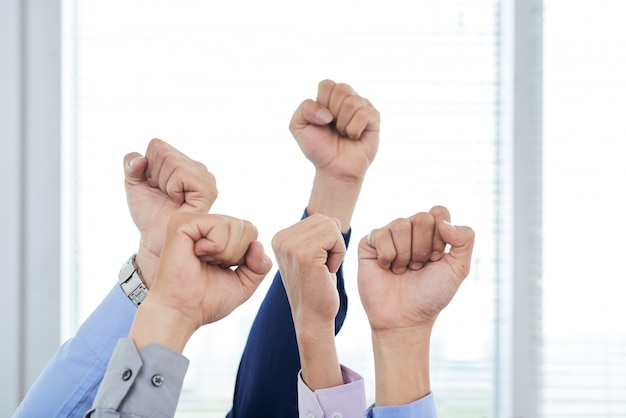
[131, 282]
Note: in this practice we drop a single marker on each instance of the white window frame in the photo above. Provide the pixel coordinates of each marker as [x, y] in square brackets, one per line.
[519, 329]
[30, 179]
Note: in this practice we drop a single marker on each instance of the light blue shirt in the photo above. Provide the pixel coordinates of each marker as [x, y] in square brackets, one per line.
[70, 381]
[422, 408]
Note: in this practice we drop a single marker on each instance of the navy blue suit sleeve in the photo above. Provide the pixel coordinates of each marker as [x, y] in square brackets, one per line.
[267, 381]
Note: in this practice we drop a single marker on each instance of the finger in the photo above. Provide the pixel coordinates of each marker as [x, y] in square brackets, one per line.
[309, 113]
[337, 250]
[189, 182]
[218, 239]
[254, 269]
[173, 185]
[316, 239]
[365, 119]
[440, 213]
[181, 178]
[338, 95]
[135, 168]
[385, 249]
[423, 227]
[461, 240]
[156, 153]
[225, 240]
[401, 235]
[350, 106]
[324, 90]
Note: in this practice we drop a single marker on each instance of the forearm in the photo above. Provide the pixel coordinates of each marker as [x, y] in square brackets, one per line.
[334, 197]
[266, 379]
[154, 323]
[318, 356]
[401, 361]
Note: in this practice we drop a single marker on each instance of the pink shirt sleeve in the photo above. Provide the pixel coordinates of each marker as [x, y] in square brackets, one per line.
[345, 401]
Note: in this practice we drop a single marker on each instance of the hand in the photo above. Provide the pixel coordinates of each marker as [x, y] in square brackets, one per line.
[158, 185]
[309, 254]
[405, 277]
[339, 134]
[195, 284]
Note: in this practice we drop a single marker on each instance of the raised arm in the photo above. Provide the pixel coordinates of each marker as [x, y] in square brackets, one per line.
[163, 182]
[210, 265]
[405, 279]
[338, 133]
[309, 254]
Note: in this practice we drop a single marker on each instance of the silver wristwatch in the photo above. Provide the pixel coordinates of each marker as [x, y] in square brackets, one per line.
[131, 281]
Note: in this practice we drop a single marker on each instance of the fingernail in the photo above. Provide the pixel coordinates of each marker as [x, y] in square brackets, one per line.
[133, 161]
[416, 266]
[436, 255]
[449, 225]
[324, 115]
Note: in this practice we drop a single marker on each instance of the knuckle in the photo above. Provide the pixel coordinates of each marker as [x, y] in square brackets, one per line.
[385, 256]
[423, 218]
[327, 83]
[201, 167]
[439, 210]
[400, 224]
[343, 89]
[278, 242]
[213, 193]
[249, 226]
[352, 103]
[155, 143]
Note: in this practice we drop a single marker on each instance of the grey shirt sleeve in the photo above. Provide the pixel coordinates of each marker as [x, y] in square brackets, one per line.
[145, 383]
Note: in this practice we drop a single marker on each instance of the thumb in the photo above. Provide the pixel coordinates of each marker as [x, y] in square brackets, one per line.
[309, 113]
[461, 240]
[254, 269]
[337, 251]
[135, 168]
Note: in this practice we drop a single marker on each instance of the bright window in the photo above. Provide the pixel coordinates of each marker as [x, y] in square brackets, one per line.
[584, 361]
[219, 80]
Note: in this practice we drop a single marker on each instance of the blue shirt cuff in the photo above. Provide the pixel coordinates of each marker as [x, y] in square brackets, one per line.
[421, 408]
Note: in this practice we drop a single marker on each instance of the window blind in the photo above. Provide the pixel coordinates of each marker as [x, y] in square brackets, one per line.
[584, 358]
[219, 80]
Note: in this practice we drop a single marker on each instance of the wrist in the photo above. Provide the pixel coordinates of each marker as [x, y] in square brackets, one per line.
[147, 262]
[335, 196]
[401, 359]
[318, 357]
[156, 323]
[310, 333]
